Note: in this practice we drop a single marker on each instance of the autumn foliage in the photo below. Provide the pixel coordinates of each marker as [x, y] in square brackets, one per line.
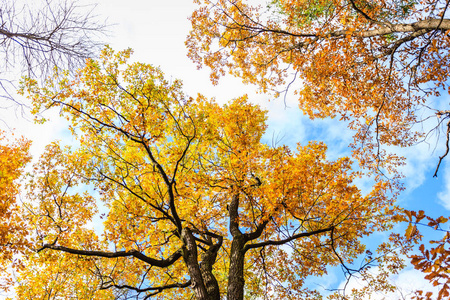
[13, 228]
[433, 261]
[372, 63]
[379, 65]
[170, 196]
[177, 197]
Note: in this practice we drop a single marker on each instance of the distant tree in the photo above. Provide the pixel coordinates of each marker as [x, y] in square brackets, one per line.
[37, 36]
[195, 206]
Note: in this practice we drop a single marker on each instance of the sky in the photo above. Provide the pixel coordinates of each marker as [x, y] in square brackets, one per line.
[156, 30]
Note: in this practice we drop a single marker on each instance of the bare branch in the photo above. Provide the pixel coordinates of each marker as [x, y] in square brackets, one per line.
[58, 34]
[446, 151]
[55, 35]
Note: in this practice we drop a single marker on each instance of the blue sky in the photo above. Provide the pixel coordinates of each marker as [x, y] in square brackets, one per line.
[156, 30]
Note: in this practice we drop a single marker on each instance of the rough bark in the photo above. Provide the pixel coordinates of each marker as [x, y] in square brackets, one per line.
[236, 273]
[206, 266]
[190, 258]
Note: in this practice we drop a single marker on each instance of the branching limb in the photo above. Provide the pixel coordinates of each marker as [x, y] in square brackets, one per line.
[257, 233]
[157, 289]
[284, 241]
[161, 263]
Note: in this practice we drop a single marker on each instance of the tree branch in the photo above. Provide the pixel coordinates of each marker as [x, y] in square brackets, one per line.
[257, 233]
[234, 216]
[284, 241]
[161, 263]
[446, 151]
[159, 289]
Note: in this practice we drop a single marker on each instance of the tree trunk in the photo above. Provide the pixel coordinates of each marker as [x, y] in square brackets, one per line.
[236, 274]
[190, 258]
[208, 260]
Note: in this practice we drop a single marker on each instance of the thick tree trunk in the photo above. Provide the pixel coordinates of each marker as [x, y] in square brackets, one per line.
[190, 258]
[208, 260]
[236, 274]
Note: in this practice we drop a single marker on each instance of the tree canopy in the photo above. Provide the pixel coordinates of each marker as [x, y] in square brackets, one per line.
[193, 204]
[376, 64]
[169, 196]
[382, 66]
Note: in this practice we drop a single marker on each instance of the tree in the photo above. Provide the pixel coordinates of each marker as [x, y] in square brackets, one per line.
[13, 229]
[380, 65]
[373, 63]
[37, 37]
[194, 204]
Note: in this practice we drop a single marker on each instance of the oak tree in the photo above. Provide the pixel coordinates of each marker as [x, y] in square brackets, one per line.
[177, 197]
[380, 65]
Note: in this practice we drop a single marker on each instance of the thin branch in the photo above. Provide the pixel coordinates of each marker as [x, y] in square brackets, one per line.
[291, 238]
[446, 151]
